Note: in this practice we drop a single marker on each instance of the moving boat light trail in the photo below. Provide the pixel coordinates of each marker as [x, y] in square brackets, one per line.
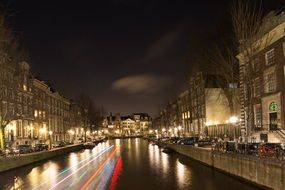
[75, 165]
[85, 165]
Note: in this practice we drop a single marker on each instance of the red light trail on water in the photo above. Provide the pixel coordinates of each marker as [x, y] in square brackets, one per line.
[89, 181]
[116, 173]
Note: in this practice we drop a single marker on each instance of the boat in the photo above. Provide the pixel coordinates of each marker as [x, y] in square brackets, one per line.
[89, 145]
[167, 150]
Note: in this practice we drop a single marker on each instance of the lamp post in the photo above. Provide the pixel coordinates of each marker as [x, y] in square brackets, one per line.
[50, 134]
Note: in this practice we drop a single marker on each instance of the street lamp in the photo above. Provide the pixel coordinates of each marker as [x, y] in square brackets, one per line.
[50, 134]
[233, 120]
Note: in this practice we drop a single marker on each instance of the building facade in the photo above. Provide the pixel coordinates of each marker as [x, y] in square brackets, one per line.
[200, 110]
[262, 74]
[135, 124]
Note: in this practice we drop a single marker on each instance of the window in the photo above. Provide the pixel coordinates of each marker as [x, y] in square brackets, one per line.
[5, 107]
[256, 87]
[270, 57]
[25, 88]
[44, 115]
[36, 113]
[257, 115]
[11, 109]
[255, 64]
[20, 109]
[233, 85]
[270, 82]
[19, 128]
[40, 114]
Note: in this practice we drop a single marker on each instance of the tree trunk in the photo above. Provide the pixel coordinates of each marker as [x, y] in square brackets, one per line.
[231, 106]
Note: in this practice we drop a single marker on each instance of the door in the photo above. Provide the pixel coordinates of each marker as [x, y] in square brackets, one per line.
[273, 121]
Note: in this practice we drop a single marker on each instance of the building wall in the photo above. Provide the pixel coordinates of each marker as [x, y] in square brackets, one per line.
[265, 71]
[217, 109]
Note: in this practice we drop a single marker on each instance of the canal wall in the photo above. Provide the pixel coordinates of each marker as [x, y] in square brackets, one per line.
[261, 172]
[9, 163]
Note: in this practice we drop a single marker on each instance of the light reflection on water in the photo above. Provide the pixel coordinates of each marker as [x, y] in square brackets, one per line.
[160, 162]
[183, 175]
[145, 167]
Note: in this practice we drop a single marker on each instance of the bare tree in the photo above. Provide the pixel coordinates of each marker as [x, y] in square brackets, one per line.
[251, 36]
[226, 68]
[91, 113]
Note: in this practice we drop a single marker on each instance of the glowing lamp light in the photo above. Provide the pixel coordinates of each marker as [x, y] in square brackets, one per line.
[156, 131]
[163, 129]
[179, 128]
[208, 123]
[150, 131]
[50, 132]
[233, 119]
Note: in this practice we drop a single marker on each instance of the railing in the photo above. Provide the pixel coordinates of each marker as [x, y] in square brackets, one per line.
[281, 134]
[276, 153]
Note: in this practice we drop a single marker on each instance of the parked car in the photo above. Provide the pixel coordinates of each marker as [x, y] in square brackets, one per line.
[173, 140]
[58, 144]
[252, 148]
[68, 143]
[25, 149]
[2, 152]
[205, 143]
[41, 147]
[80, 140]
[188, 140]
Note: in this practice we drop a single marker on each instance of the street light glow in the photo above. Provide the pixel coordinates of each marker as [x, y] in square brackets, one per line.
[233, 119]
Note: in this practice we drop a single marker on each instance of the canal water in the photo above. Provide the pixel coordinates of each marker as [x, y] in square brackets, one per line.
[129, 164]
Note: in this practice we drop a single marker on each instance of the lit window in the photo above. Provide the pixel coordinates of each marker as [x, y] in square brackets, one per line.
[36, 113]
[233, 85]
[25, 87]
[270, 57]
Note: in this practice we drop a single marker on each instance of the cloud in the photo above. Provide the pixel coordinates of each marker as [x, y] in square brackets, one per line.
[141, 84]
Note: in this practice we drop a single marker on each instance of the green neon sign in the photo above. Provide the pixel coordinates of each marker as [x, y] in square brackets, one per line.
[273, 107]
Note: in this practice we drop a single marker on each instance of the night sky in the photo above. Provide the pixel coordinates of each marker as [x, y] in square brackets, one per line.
[129, 55]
